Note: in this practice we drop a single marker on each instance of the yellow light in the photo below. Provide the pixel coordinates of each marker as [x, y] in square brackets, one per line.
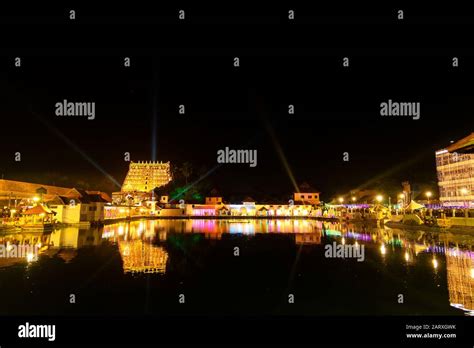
[407, 256]
[341, 199]
[464, 191]
[343, 240]
[13, 211]
[401, 196]
[126, 251]
[428, 194]
[36, 198]
[435, 263]
[472, 272]
[353, 199]
[382, 249]
[9, 246]
[379, 198]
[30, 257]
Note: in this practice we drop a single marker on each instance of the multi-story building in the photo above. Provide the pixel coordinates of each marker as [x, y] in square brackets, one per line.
[455, 169]
[146, 176]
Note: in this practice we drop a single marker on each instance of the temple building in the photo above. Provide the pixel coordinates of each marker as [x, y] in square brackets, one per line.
[146, 176]
[455, 169]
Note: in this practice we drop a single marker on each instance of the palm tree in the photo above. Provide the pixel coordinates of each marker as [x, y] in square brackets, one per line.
[186, 170]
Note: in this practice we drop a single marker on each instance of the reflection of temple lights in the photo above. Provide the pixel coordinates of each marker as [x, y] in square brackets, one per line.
[120, 230]
[126, 251]
[382, 249]
[343, 240]
[30, 257]
[407, 256]
[435, 263]
[472, 272]
[142, 257]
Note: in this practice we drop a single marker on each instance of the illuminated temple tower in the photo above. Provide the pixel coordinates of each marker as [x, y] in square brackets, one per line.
[145, 176]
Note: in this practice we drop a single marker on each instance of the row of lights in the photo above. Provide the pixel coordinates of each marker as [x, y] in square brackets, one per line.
[379, 198]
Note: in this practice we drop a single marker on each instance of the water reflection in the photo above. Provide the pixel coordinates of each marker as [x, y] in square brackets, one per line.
[149, 246]
[139, 254]
[460, 269]
[141, 257]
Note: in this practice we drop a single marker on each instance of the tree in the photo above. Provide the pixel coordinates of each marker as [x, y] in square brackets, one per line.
[186, 170]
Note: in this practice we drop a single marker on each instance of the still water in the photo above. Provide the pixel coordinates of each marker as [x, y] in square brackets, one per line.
[239, 267]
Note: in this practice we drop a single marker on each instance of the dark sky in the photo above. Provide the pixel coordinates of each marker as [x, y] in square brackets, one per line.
[337, 109]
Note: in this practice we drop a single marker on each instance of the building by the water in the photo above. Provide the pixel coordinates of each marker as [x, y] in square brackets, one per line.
[455, 169]
[32, 201]
[306, 195]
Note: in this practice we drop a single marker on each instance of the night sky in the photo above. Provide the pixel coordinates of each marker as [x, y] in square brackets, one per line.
[191, 63]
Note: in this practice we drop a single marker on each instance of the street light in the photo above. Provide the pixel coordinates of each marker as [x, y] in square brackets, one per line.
[353, 199]
[379, 198]
[341, 200]
[428, 195]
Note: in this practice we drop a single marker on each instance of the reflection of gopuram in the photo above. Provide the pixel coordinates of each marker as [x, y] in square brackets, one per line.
[141, 257]
[460, 269]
